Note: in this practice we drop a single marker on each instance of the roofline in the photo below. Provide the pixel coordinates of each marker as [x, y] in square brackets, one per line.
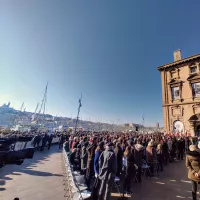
[179, 62]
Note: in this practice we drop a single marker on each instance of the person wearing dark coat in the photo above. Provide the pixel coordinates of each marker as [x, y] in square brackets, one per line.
[44, 141]
[90, 161]
[193, 165]
[75, 158]
[187, 144]
[36, 141]
[62, 140]
[107, 171]
[84, 156]
[119, 156]
[165, 152]
[160, 157]
[139, 155]
[180, 148]
[50, 138]
[151, 156]
[130, 169]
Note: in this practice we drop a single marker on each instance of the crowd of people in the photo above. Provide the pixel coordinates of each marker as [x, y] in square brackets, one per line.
[103, 156]
[39, 139]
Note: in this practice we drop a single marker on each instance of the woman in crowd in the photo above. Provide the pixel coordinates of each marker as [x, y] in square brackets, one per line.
[90, 161]
[119, 156]
[193, 165]
[84, 155]
[160, 157]
[139, 156]
[150, 156]
[130, 169]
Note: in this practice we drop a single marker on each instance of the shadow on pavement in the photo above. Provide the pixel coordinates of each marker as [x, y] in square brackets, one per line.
[27, 166]
[172, 184]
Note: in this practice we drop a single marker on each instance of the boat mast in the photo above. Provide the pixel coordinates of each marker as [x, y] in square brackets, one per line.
[43, 101]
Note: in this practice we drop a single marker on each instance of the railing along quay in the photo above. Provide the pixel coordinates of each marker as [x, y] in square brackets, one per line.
[75, 189]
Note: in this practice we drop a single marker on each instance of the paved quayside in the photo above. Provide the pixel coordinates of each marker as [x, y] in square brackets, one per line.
[38, 178]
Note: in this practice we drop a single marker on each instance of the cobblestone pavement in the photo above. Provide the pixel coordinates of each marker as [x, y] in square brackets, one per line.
[39, 178]
[172, 184]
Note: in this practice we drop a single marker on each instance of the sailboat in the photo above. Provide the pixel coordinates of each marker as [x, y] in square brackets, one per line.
[38, 118]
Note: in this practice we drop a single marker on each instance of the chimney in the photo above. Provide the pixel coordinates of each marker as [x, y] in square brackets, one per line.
[177, 55]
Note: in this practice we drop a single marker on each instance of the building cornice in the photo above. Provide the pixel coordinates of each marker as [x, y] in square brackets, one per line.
[179, 103]
[160, 68]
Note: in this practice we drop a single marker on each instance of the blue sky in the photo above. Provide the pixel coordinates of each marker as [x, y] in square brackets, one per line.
[107, 50]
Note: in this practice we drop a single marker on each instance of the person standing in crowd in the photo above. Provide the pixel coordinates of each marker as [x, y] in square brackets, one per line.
[150, 156]
[75, 159]
[84, 155]
[130, 169]
[44, 141]
[165, 151]
[169, 143]
[90, 161]
[193, 165]
[50, 138]
[119, 156]
[160, 157]
[62, 140]
[98, 151]
[187, 144]
[180, 148]
[66, 146]
[107, 171]
[139, 155]
[75, 143]
[36, 141]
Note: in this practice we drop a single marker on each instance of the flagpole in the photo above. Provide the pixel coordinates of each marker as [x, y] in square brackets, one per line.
[79, 107]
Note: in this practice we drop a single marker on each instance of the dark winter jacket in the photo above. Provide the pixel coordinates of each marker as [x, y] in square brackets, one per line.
[91, 153]
[84, 155]
[130, 168]
[107, 164]
[119, 156]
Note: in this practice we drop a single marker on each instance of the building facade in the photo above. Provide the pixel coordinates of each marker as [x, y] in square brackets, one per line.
[181, 94]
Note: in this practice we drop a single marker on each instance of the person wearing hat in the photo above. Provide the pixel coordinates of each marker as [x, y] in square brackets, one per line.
[130, 169]
[139, 154]
[150, 156]
[160, 156]
[193, 165]
[107, 171]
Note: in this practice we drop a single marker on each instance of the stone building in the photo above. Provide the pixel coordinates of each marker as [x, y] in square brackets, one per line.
[181, 94]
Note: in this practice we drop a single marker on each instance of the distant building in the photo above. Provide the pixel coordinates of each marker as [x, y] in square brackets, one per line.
[181, 94]
[157, 125]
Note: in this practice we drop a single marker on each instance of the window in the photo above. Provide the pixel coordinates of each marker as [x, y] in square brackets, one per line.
[193, 69]
[175, 93]
[196, 89]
